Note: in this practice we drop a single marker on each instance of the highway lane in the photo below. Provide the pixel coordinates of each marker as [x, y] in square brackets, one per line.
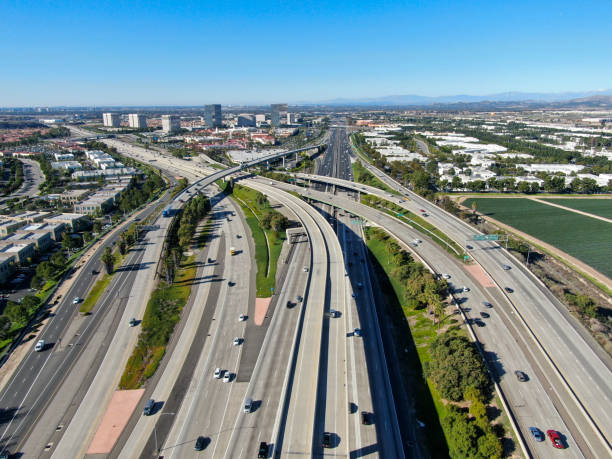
[296, 436]
[584, 370]
[534, 404]
[269, 379]
[84, 423]
[41, 371]
[224, 311]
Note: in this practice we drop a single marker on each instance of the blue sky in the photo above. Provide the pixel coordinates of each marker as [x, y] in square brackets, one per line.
[231, 52]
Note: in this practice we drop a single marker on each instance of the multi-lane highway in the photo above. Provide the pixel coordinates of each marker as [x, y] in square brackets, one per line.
[37, 379]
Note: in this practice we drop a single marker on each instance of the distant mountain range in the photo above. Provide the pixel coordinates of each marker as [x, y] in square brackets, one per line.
[525, 98]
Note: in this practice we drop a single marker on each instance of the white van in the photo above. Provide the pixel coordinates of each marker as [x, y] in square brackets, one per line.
[40, 345]
[248, 405]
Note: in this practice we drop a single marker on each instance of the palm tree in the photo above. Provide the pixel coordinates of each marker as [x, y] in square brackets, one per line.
[108, 260]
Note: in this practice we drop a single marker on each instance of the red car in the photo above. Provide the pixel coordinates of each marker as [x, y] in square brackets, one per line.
[555, 438]
[422, 210]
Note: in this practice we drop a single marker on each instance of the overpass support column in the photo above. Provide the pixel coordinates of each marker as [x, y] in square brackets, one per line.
[283, 162]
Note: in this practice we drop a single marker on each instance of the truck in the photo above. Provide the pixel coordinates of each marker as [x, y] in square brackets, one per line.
[232, 251]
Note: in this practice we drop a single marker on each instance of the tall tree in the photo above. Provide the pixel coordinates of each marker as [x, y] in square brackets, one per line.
[108, 260]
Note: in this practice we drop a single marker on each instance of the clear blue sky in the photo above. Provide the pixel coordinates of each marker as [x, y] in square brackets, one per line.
[195, 52]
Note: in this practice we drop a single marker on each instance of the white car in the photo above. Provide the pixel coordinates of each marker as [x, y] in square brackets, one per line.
[446, 276]
[227, 377]
[76, 300]
[466, 289]
[218, 373]
[237, 341]
[241, 318]
[40, 345]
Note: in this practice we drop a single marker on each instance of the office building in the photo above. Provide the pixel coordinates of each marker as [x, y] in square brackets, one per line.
[212, 115]
[111, 119]
[171, 123]
[292, 118]
[136, 120]
[277, 112]
[245, 120]
[260, 118]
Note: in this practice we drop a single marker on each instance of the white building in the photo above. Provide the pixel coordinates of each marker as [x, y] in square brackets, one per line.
[170, 123]
[565, 168]
[137, 120]
[111, 119]
[66, 165]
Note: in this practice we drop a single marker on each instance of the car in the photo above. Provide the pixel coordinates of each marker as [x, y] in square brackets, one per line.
[446, 276]
[326, 440]
[521, 376]
[469, 247]
[299, 299]
[555, 438]
[536, 433]
[422, 210]
[333, 313]
[484, 315]
[357, 332]
[486, 304]
[218, 373]
[305, 269]
[508, 289]
[263, 450]
[76, 300]
[94, 272]
[479, 323]
[359, 285]
[242, 318]
[465, 289]
[40, 345]
[354, 295]
[425, 215]
[133, 322]
[365, 418]
[231, 283]
[227, 377]
[237, 341]
[200, 444]
[506, 267]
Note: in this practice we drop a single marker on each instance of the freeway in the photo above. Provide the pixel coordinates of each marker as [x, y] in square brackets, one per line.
[39, 375]
[507, 347]
[196, 356]
[578, 369]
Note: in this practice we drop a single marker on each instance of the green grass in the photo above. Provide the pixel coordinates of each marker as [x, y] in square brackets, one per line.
[414, 338]
[265, 260]
[161, 315]
[95, 293]
[600, 207]
[362, 175]
[586, 238]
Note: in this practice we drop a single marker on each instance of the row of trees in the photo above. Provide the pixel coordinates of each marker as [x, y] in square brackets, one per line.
[422, 289]
[552, 184]
[139, 193]
[14, 168]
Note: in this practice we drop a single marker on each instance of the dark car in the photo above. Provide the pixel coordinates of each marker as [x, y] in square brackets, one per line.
[521, 376]
[508, 289]
[555, 438]
[536, 433]
[365, 418]
[480, 323]
[484, 315]
[357, 332]
[326, 440]
[263, 449]
[486, 304]
[200, 443]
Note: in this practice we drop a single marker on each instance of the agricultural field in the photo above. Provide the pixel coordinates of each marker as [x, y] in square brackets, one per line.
[600, 207]
[585, 238]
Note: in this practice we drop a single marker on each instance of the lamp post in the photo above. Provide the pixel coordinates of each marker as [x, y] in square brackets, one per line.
[157, 450]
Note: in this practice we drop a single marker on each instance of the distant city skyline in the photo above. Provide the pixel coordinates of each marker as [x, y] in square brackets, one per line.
[258, 53]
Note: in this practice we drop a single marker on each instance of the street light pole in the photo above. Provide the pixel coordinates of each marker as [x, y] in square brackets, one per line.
[158, 450]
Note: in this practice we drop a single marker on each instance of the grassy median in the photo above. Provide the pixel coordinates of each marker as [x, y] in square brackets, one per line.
[268, 242]
[161, 315]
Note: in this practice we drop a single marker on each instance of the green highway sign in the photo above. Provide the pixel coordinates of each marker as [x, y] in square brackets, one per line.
[486, 237]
